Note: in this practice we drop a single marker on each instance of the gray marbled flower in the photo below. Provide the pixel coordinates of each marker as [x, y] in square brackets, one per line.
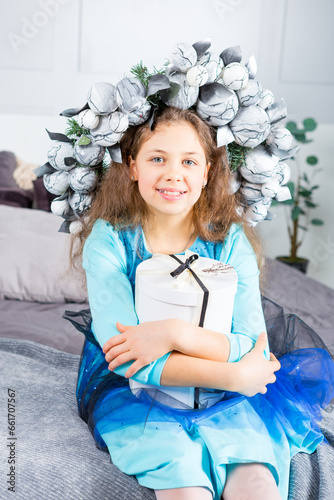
[258, 211]
[217, 104]
[102, 98]
[251, 192]
[131, 98]
[260, 165]
[104, 135]
[251, 94]
[80, 202]
[83, 179]
[89, 155]
[57, 182]
[61, 156]
[191, 67]
[251, 126]
[187, 95]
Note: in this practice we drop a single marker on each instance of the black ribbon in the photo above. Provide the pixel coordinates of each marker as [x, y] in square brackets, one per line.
[186, 265]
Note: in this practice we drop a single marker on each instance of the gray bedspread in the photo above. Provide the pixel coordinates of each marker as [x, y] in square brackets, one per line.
[43, 322]
[56, 457]
[55, 454]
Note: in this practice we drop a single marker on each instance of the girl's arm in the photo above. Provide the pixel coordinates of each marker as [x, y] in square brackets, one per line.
[148, 341]
[248, 376]
[110, 294]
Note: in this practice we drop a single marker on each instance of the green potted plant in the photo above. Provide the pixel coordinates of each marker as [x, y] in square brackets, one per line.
[301, 203]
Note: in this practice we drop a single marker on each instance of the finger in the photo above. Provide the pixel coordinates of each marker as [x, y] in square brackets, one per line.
[261, 341]
[137, 365]
[120, 360]
[275, 360]
[122, 328]
[115, 351]
[112, 342]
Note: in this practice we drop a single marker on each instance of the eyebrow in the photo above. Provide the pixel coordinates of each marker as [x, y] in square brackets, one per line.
[162, 151]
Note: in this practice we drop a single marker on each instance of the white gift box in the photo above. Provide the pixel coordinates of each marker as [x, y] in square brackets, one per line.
[159, 296]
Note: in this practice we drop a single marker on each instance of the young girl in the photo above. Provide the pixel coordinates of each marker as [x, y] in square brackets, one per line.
[171, 193]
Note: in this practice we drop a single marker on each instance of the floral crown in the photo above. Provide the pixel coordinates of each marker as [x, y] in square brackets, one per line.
[222, 91]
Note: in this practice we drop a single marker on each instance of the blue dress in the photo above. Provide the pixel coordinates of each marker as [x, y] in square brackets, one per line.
[165, 447]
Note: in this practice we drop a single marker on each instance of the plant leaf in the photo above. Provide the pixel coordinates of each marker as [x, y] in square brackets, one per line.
[291, 186]
[296, 212]
[286, 202]
[84, 140]
[310, 204]
[317, 222]
[305, 193]
[299, 135]
[312, 160]
[310, 124]
[292, 126]
[303, 227]
[315, 187]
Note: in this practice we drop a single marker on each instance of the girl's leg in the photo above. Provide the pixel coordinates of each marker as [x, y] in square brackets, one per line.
[250, 482]
[189, 493]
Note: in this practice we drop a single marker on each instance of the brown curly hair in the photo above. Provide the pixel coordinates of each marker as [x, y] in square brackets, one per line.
[119, 201]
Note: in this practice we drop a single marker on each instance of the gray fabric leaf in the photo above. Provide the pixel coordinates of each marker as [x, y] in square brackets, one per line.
[251, 65]
[283, 154]
[232, 54]
[202, 46]
[277, 111]
[224, 136]
[157, 83]
[55, 136]
[115, 153]
[169, 94]
[73, 111]
[44, 169]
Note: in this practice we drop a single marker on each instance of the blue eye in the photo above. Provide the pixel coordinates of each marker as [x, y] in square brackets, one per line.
[190, 164]
[157, 158]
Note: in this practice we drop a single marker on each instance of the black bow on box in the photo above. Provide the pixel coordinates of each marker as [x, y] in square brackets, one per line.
[186, 265]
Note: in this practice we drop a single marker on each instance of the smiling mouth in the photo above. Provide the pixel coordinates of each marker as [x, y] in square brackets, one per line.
[171, 193]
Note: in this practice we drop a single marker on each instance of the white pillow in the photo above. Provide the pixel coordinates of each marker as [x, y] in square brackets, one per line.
[34, 256]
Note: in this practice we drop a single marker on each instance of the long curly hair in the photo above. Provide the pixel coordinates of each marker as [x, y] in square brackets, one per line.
[118, 200]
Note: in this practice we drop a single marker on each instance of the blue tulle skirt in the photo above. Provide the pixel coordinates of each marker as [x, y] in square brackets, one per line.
[268, 428]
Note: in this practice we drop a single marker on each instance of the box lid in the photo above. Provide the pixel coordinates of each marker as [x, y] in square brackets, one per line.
[154, 280]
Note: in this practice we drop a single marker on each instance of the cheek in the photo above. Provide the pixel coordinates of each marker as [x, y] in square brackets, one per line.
[145, 186]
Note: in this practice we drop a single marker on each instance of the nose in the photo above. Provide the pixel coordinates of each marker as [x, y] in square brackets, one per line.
[173, 171]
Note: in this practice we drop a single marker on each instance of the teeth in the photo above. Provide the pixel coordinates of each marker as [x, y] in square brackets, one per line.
[172, 193]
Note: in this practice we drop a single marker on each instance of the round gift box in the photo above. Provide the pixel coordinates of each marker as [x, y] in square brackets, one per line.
[160, 296]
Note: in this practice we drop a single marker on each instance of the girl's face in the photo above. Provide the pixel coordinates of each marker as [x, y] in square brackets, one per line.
[170, 168]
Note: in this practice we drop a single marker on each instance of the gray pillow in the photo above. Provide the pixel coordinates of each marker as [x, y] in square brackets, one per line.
[34, 258]
[7, 167]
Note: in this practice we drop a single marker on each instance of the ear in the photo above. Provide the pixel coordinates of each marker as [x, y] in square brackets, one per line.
[133, 169]
[206, 172]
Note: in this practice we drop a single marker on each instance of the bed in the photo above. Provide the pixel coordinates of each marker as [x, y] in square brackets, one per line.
[54, 454]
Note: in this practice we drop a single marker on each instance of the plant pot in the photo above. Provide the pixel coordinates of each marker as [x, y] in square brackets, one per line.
[298, 263]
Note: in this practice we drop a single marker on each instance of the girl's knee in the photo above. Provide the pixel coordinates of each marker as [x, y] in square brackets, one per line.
[250, 481]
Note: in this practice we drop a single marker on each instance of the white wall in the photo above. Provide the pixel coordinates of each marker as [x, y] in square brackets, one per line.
[51, 51]
[318, 244]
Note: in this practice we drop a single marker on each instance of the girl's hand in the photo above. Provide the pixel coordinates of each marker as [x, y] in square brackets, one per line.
[254, 372]
[142, 343]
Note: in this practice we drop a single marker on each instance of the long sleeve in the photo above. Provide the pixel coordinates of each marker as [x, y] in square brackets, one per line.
[248, 319]
[110, 294]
